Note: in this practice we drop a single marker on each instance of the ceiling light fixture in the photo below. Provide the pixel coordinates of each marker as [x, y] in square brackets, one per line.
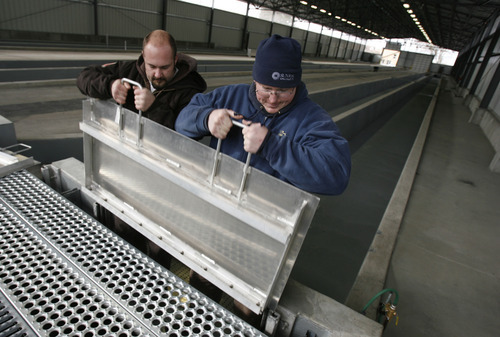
[416, 20]
[343, 20]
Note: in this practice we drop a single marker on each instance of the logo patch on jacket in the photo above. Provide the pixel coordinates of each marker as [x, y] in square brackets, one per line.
[282, 133]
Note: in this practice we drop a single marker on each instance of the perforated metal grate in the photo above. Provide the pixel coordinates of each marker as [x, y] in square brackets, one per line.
[70, 276]
[11, 324]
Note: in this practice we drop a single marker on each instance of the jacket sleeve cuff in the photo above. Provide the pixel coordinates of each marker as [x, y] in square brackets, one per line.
[264, 142]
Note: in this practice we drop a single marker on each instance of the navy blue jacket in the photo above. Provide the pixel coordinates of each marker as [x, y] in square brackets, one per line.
[303, 146]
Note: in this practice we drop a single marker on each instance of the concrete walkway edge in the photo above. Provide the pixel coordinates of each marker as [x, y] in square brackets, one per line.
[373, 272]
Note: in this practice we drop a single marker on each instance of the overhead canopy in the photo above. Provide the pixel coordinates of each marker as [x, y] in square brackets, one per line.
[449, 24]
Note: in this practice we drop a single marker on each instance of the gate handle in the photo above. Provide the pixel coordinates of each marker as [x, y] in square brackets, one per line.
[139, 122]
[217, 160]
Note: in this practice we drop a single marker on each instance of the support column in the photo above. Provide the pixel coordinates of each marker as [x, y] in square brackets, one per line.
[245, 35]
[305, 40]
[164, 11]
[96, 18]
[484, 62]
[211, 24]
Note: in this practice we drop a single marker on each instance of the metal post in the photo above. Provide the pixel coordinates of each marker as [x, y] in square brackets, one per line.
[492, 88]
[305, 40]
[164, 12]
[96, 21]
[491, 48]
[211, 24]
[245, 36]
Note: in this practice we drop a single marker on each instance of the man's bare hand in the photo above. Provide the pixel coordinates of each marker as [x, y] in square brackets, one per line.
[219, 122]
[253, 135]
[119, 91]
[143, 98]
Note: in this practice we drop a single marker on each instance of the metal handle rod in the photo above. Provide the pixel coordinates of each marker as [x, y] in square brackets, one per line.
[217, 154]
[240, 124]
[247, 164]
[23, 147]
[217, 160]
[246, 170]
[139, 122]
[245, 175]
[134, 83]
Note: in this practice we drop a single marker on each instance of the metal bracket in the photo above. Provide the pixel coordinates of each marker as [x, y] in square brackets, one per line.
[271, 323]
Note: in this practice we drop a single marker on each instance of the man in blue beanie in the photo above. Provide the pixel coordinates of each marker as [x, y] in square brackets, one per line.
[294, 139]
[291, 137]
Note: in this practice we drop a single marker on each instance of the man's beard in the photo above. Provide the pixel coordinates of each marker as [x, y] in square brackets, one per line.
[159, 83]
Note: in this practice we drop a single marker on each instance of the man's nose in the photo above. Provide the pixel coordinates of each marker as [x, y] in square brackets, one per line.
[273, 97]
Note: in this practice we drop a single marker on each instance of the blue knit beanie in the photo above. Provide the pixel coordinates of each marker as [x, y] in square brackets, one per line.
[278, 62]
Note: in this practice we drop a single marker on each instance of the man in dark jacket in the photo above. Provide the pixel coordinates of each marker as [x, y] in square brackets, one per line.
[169, 80]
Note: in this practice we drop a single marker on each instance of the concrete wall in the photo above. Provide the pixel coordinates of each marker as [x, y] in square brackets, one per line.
[117, 23]
[192, 28]
[478, 73]
[419, 63]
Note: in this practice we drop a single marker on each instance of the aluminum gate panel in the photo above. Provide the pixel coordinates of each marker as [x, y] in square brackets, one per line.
[240, 228]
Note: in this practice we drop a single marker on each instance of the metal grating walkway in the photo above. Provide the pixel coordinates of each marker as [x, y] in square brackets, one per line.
[68, 275]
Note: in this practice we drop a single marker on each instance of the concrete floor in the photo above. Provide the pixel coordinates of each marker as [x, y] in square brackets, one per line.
[444, 266]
